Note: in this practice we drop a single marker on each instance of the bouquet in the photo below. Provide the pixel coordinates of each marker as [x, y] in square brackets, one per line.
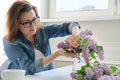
[84, 46]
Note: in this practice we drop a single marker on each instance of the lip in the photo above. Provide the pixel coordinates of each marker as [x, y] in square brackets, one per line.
[32, 29]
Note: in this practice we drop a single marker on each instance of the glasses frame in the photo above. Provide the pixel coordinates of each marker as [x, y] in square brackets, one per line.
[29, 23]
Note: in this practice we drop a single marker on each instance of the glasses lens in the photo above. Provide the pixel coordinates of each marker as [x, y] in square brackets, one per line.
[34, 21]
[29, 23]
[37, 20]
[26, 24]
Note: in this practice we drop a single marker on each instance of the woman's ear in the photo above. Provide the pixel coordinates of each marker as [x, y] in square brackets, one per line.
[39, 25]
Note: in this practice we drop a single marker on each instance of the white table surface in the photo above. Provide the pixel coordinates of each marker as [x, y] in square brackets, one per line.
[62, 73]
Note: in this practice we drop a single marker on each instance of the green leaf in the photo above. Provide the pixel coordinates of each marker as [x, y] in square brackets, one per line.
[113, 68]
[78, 78]
[97, 62]
[79, 39]
[82, 70]
[100, 47]
[105, 72]
[92, 54]
[78, 71]
[88, 65]
[79, 50]
[85, 41]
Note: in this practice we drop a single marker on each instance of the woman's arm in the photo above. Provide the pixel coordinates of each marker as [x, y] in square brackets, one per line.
[50, 58]
[59, 30]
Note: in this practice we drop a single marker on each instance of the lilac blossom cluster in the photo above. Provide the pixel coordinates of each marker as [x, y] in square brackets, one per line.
[84, 45]
[98, 72]
[88, 49]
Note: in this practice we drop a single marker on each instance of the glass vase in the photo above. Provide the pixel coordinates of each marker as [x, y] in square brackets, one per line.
[78, 63]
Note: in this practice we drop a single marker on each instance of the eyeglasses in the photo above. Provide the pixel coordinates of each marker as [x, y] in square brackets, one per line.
[28, 23]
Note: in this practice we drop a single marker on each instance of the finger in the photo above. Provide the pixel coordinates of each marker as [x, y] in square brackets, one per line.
[70, 55]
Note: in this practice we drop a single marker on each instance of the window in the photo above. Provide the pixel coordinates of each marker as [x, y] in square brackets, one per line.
[81, 8]
[42, 6]
[36, 3]
[81, 5]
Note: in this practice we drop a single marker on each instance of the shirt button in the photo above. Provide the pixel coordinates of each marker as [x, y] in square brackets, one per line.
[18, 59]
[45, 54]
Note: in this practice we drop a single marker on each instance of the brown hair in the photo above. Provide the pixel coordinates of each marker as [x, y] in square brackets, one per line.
[13, 17]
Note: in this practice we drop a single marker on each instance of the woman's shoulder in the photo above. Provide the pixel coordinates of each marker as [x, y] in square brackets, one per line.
[10, 43]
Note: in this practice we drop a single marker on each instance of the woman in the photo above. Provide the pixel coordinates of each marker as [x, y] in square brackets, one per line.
[26, 43]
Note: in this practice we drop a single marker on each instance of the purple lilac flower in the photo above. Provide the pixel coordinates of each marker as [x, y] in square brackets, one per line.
[109, 77]
[73, 75]
[86, 33]
[92, 44]
[114, 77]
[89, 73]
[101, 54]
[117, 77]
[85, 54]
[63, 44]
[97, 70]
[117, 73]
[104, 77]
[106, 68]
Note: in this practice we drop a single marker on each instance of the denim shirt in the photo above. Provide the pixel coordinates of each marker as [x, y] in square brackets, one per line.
[21, 53]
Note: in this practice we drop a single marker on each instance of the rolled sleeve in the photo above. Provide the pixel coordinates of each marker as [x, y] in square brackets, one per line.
[73, 24]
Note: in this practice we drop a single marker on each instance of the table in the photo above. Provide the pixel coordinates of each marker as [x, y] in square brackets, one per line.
[62, 73]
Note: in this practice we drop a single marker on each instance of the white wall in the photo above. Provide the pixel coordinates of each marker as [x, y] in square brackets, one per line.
[4, 5]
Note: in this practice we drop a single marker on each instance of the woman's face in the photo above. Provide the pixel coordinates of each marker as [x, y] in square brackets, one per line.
[28, 23]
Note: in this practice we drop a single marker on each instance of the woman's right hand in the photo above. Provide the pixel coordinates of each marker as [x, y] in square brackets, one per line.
[62, 52]
[59, 52]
